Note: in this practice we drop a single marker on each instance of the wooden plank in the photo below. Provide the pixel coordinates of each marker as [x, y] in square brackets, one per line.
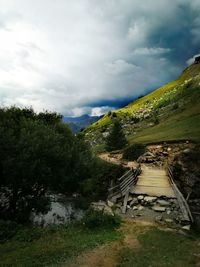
[125, 202]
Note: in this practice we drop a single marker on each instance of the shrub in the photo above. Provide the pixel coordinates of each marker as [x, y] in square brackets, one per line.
[133, 152]
[97, 219]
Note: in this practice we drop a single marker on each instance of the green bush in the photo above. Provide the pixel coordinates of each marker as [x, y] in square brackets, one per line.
[97, 219]
[133, 152]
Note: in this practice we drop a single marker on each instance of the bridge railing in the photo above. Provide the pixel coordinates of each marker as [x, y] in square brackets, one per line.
[182, 201]
[125, 182]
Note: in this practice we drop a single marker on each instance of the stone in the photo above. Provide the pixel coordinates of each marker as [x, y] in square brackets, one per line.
[162, 202]
[135, 208]
[150, 199]
[140, 208]
[159, 208]
[110, 203]
[168, 212]
[186, 227]
[128, 207]
[140, 197]
[130, 198]
[158, 218]
[169, 220]
[134, 201]
[186, 151]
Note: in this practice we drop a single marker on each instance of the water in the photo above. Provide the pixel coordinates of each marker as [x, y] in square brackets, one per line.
[61, 211]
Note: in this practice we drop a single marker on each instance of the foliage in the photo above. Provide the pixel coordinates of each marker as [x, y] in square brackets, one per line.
[116, 138]
[97, 219]
[38, 153]
[53, 245]
[133, 152]
[96, 186]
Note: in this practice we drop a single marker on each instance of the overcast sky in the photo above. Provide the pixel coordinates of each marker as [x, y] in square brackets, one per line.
[88, 56]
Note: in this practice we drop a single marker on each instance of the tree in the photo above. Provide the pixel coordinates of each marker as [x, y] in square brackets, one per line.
[38, 153]
[116, 138]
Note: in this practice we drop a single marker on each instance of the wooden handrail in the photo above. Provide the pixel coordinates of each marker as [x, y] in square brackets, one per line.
[182, 202]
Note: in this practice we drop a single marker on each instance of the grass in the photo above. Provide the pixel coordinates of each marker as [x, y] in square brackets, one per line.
[161, 249]
[52, 246]
[185, 88]
[181, 126]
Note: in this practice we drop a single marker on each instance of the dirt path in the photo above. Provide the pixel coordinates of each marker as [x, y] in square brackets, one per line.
[107, 255]
[117, 159]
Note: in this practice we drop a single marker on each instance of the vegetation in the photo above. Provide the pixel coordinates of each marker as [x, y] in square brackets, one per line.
[172, 112]
[133, 152]
[54, 245]
[97, 219]
[116, 138]
[39, 153]
[161, 249]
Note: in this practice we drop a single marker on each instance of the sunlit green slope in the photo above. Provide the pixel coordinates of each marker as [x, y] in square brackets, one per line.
[172, 112]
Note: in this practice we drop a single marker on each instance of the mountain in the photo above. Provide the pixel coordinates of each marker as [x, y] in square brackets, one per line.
[78, 123]
[170, 113]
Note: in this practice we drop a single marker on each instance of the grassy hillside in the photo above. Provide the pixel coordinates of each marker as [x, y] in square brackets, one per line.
[172, 112]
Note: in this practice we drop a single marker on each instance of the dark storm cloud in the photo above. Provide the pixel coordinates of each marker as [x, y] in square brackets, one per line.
[90, 56]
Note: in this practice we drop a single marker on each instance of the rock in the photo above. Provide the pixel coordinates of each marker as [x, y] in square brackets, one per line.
[110, 203]
[186, 227]
[168, 212]
[158, 208]
[128, 207]
[158, 218]
[101, 206]
[134, 201]
[162, 202]
[140, 197]
[186, 151]
[130, 198]
[135, 208]
[150, 199]
[140, 208]
[169, 220]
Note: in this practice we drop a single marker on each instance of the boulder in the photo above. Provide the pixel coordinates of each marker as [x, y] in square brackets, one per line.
[186, 227]
[101, 206]
[134, 201]
[140, 197]
[163, 202]
[140, 208]
[150, 199]
[158, 208]
[169, 220]
[110, 203]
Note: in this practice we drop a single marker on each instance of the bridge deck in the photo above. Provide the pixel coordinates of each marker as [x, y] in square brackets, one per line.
[153, 182]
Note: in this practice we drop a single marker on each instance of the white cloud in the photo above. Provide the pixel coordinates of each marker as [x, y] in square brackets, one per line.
[66, 55]
[151, 51]
[120, 67]
[192, 59]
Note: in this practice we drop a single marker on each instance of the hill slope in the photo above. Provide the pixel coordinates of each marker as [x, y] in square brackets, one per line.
[172, 112]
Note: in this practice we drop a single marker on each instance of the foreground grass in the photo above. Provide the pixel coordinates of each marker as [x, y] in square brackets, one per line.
[52, 246]
[162, 249]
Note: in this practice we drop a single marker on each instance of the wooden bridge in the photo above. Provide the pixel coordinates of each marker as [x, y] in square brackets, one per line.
[150, 181]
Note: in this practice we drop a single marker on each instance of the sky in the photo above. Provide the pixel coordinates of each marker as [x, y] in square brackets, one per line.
[90, 56]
